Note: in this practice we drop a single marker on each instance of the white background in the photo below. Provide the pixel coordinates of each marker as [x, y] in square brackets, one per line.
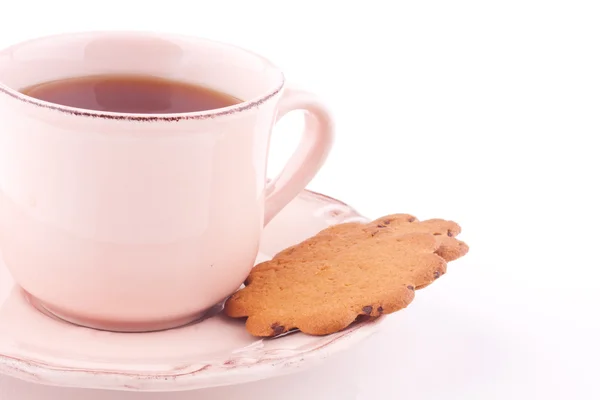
[484, 112]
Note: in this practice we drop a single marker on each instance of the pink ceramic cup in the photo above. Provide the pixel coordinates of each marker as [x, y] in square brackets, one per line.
[134, 222]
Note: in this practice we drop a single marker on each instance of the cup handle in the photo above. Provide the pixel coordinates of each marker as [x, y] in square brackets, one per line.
[309, 156]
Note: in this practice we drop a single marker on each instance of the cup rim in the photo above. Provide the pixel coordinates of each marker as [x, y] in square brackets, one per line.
[151, 117]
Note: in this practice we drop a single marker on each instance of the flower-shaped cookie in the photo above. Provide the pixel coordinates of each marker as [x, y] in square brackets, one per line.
[323, 284]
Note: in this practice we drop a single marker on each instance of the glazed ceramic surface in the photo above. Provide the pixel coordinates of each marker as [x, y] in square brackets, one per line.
[136, 222]
[217, 351]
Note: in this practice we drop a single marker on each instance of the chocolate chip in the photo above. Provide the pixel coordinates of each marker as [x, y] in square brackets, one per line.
[374, 233]
[436, 274]
[450, 234]
[277, 329]
[411, 219]
[367, 310]
[437, 234]
[410, 287]
[379, 309]
[387, 221]
[381, 226]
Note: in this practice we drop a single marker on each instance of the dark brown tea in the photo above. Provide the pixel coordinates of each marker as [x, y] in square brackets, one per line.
[130, 94]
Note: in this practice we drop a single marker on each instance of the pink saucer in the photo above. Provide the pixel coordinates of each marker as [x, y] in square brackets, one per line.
[215, 352]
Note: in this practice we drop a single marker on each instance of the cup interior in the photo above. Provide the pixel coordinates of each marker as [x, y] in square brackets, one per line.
[222, 67]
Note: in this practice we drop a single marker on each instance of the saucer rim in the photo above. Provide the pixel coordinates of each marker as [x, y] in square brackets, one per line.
[199, 376]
